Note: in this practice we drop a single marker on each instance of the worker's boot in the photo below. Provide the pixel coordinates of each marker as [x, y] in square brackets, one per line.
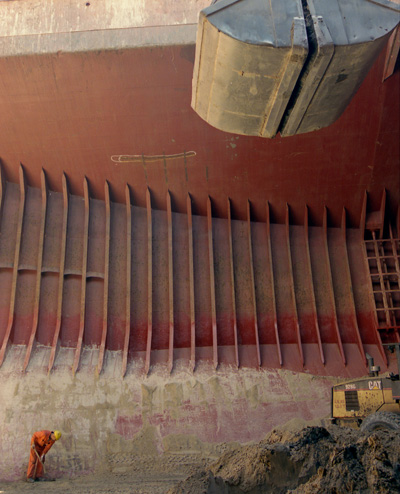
[45, 479]
[30, 480]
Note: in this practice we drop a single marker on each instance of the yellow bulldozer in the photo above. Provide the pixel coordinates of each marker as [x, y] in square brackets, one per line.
[369, 403]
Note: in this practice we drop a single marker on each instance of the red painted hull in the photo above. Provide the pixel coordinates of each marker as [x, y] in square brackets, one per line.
[92, 274]
[72, 111]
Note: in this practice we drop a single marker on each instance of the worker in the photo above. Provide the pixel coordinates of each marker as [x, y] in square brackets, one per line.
[41, 442]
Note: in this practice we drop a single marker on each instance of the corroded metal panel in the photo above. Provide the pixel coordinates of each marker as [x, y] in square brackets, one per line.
[105, 322]
[229, 292]
[149, 280]
[111, 112]
[212, 282]
[191, 285]
[170, 285]
[60, 283]
[14, 280]
[232, 279]
[83, 276]
[253, 287]
[44, 193]
[128, 281]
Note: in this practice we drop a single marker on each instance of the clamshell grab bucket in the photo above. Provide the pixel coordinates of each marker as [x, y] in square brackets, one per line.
[345, 39]
[248, 59]
[285, 66]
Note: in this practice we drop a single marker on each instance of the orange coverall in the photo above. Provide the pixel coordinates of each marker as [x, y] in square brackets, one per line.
[43, 443]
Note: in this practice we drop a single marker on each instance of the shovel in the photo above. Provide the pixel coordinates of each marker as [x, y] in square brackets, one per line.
[44, 470]
[38, 457]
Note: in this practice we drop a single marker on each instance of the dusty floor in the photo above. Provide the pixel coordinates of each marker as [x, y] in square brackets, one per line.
[122, 483]
[313, 460]
[123, 473]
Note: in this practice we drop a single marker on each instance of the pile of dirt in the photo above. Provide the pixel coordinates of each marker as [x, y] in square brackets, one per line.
[314, 460]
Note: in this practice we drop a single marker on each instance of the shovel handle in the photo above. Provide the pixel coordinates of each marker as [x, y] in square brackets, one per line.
[38, 457]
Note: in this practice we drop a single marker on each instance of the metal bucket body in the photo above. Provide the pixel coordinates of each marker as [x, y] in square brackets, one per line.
[346, 38]
[248, 58]
[262, 69]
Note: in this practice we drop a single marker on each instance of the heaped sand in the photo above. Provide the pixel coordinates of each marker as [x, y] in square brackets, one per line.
[313, 460]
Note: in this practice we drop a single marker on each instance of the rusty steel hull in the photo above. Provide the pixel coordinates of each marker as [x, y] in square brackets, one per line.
[137, 227]
[166, 286]
[73, 112]
[161, 286]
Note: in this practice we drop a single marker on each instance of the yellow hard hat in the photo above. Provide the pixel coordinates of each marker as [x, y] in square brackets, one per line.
[57, 435]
